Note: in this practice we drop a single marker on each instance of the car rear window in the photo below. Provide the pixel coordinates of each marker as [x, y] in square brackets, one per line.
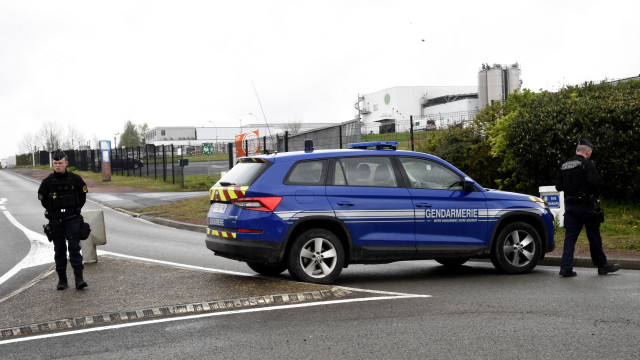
[310, 172]
[244, 173]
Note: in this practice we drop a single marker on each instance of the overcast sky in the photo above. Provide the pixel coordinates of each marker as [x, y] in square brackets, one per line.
[94, 65]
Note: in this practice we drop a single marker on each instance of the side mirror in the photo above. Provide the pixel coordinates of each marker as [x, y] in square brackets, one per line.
[469, 185]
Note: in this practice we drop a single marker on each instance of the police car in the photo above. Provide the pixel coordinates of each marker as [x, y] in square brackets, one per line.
[314, 213]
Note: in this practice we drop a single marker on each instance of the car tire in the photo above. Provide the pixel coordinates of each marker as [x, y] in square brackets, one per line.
[316, 256]
[517, 248]
[452, 262]
[267, 270]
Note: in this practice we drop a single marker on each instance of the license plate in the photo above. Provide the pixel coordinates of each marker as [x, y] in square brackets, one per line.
[219, 207]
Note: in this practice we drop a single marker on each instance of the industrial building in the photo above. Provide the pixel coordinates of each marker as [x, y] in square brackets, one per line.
[434, 107]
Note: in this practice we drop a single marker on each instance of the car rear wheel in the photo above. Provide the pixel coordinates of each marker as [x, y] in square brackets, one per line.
[452, 261]
[517, 248]
[267, 270]
[316, 256]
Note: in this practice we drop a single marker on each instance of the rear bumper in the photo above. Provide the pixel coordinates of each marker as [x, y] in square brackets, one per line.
[263, 252]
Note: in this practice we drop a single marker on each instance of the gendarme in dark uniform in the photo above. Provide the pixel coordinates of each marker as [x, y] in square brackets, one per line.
[580, 181]
[63, 194]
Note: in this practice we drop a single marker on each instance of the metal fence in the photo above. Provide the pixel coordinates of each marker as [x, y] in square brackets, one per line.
[171, 163]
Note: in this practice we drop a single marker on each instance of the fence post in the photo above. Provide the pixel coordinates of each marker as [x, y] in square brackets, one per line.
[411, 130]
[286, 141]
[340, 134]
[230, 151]
[264, 146]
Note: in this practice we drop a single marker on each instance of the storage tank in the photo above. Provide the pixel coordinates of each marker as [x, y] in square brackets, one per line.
[482, 88]
[495, 83]
[513, 78]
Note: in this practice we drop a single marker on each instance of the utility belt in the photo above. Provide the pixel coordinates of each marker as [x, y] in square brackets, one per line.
[586, 200]
[60, 215]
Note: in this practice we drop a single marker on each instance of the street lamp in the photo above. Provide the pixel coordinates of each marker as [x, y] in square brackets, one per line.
[115, 144]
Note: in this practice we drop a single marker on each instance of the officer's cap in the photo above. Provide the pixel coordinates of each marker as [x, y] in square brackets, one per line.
[58, 155]
[586, 142]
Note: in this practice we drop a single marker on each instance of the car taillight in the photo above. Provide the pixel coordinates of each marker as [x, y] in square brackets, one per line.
[258, 203]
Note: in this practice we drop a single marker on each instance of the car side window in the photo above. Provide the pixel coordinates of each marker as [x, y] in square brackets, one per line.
[365, 171]
[307, 173]
[427, 174]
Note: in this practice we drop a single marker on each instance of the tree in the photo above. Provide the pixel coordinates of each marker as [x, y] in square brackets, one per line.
[142, 130]
[28, 144]
[50, 136]
[130, 137]
[293, 127]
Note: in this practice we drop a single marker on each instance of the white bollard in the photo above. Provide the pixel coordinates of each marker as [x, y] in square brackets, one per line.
[98, 236]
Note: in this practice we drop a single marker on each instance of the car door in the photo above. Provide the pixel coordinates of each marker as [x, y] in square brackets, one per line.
[446, 215]
[365, 194]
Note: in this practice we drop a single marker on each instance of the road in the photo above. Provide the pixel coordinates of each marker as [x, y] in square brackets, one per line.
[436, 312]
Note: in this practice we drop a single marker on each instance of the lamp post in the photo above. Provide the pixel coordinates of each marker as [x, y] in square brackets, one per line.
[115, 144]
[216, 128]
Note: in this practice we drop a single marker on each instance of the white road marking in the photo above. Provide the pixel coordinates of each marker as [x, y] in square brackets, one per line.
[40, 253]
[207, 315]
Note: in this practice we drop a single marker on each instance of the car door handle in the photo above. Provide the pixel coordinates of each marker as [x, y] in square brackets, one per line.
[423, 205]
[345, 203]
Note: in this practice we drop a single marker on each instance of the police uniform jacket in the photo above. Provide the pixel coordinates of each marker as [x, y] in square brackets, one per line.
[579, 180]
[63, 195]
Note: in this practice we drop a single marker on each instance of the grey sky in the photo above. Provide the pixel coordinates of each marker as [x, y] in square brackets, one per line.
[96, 64]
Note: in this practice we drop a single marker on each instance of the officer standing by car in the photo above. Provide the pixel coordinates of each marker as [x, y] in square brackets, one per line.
[63, 194]
[580, 181]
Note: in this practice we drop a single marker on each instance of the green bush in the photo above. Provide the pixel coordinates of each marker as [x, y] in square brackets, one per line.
[533, 133]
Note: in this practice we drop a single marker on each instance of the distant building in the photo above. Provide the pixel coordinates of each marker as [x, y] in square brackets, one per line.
[496, 82]
[220, 136]
[389, 110]
[434, 107]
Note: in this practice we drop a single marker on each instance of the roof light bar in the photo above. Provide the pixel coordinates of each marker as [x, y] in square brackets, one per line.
[378, 145]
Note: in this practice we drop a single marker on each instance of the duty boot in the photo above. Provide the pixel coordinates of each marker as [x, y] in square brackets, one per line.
[609, 268]
[62, 280]
[80, 283]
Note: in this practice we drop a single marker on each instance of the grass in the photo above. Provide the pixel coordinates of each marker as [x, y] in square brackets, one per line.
[193, 210]
[620, 230]
[192, 183]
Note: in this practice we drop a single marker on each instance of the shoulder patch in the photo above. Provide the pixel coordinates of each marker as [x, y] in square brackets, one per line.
[84, 188]
[571, 165]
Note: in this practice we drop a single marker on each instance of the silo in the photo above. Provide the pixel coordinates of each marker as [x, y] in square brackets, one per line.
[495, 84]
[513, 78]
[482, 88]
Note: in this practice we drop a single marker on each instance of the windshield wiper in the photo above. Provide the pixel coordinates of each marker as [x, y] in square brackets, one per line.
[224, 183]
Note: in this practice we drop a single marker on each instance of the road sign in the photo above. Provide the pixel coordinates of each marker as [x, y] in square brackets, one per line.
[207, 148]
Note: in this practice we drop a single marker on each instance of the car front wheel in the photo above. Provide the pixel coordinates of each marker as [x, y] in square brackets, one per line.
[316, 256]
[517, 248]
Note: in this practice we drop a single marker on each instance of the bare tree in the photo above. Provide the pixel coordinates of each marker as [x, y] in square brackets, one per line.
[29, 143]
[293, 127]
[74, 139]
[50, 136]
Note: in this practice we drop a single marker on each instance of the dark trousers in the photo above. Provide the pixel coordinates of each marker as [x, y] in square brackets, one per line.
[67, 231]
[575, 217]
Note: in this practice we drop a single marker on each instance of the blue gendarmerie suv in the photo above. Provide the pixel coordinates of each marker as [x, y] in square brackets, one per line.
[315, 212]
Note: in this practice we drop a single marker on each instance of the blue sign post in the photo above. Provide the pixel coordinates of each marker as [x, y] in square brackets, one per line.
[105, 155]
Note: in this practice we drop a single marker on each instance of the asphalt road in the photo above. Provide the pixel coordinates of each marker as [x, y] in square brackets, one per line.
[410, 309]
